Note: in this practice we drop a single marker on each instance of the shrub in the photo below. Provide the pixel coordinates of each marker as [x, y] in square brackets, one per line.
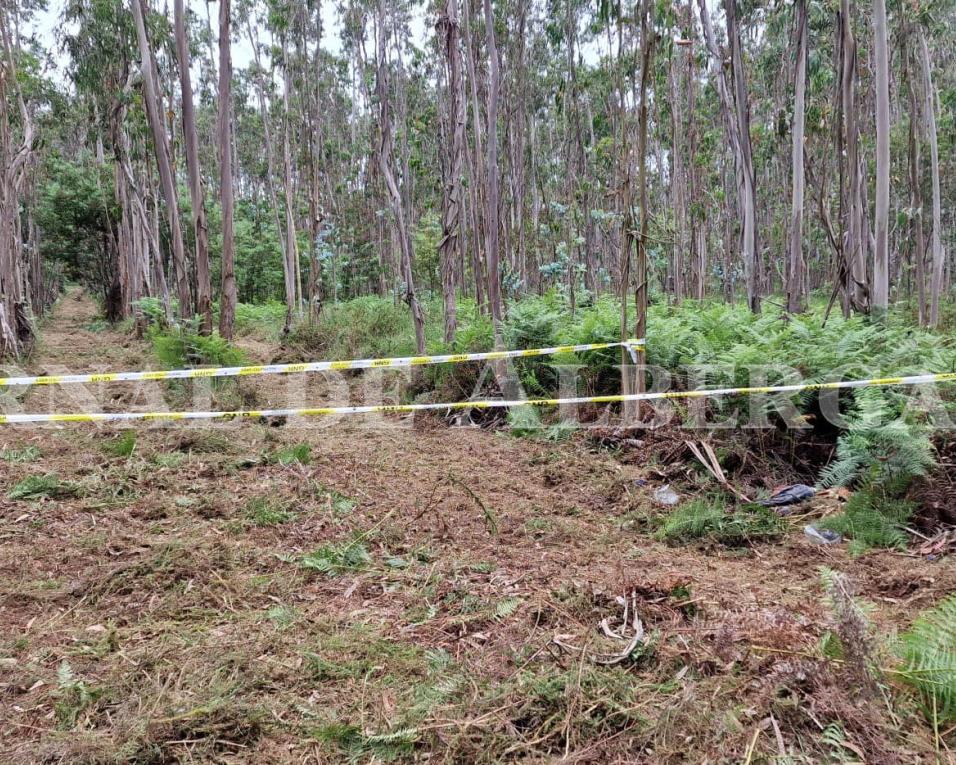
[260, 320]
[184, 347]
[881, 445]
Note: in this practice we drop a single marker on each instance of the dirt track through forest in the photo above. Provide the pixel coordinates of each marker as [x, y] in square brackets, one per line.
[155, 609]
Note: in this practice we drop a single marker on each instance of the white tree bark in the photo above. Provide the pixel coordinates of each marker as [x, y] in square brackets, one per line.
[938, 257]
[795, 279]
[881, 259]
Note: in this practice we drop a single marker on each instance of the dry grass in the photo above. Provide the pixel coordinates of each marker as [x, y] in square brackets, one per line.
[162, 613]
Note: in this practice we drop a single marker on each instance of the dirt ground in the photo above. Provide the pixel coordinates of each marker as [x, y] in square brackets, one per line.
[410, 593]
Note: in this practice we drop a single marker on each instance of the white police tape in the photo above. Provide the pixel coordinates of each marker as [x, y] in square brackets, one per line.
[12, 419]
[311, 366]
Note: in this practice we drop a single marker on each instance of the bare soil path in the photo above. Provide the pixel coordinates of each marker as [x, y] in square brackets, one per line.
[374, 590]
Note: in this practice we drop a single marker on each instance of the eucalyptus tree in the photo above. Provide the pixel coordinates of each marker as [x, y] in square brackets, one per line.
[449, 30]
[197, 198]
[881, 256]
[17, 135]
[155, 112]
[227, 309]
[795, 274]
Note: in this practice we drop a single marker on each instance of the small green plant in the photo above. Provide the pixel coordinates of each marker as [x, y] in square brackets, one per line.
[872, 518]
[73, 697]
[124, 446]
[332, 559]
[359, 746]
[282, 616]
[39, 486]
[299, 454]
[524, 421]
[505, 608]
[169, 459]
[97, 325]
[707, 519]
[26, 454]
[928, 650]
[265, 511]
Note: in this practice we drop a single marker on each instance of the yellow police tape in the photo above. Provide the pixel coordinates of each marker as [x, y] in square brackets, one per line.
[312, 366]
[13, 419]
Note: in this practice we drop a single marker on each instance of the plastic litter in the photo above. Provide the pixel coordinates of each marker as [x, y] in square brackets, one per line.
[789, 495]
[821, 536]
[665, 495]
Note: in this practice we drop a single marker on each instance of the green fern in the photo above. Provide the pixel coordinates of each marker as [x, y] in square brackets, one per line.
[872, 519]
[928, 650]
[332, 559]
[707, 519]
[505, 608]
[880, 445]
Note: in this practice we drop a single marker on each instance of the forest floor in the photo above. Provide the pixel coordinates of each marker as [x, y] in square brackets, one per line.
[221, 593]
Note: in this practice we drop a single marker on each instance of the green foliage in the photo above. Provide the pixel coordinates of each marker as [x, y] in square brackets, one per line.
[872, 518]
[263, 320]
[26, 454]
[506, 607]
[75, 209]
[178, 347]
[878, 446]
[73, 696]
[332, 559]
[358, 746]
[152, 310]
[300, 454]
[707, 519]
[928, 650]
[39, 486]
[267, 511]
[123, 446]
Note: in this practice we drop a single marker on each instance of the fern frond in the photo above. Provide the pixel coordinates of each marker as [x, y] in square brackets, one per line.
[929, 655]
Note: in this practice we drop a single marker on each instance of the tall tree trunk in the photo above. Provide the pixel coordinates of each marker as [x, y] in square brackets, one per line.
[291, 244]
[918, 240]
[748, 203]
[795, 274]
[315, 195]
[856, 245]
[386, 161]
[641, 289]
[154, 114]
[677, 180]
[936, 243]
[450, 32]
[736, 118]
[227, 302]
[16, 330]
[491, 168]
[196, 196]
[267, 136]
[881, 258]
